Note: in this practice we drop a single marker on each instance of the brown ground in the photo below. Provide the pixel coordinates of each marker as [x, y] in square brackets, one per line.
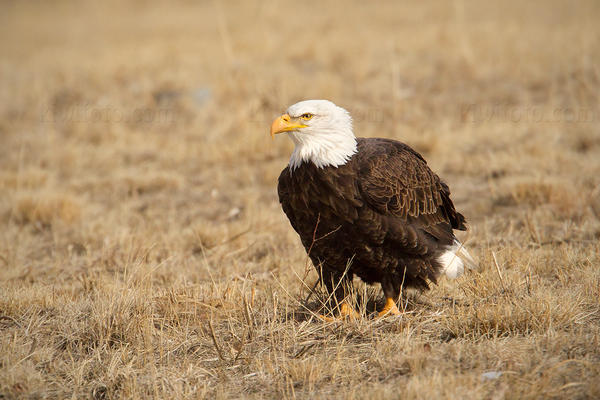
[143, 252]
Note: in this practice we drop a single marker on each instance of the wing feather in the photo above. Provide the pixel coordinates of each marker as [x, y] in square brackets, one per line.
[398, 184]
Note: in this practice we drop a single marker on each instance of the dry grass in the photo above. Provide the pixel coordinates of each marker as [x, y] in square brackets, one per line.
[143, 252]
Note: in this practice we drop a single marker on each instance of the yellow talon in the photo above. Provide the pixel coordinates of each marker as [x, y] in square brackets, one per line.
[389, 308]
[345, 312]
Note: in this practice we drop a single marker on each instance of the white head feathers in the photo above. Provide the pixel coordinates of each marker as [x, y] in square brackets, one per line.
[326, 139]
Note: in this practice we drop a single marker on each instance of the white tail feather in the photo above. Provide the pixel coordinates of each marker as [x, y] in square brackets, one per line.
[454, 260]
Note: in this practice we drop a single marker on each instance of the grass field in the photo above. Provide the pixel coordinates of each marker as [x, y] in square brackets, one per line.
[143, 251]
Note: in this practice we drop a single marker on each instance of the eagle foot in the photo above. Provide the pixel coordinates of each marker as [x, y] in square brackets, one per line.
[346, 312]
[389, 309]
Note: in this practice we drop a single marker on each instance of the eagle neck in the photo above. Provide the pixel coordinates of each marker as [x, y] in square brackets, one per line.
[326, 150]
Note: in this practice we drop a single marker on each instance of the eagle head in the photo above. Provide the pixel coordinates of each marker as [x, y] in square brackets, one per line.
[321, 131]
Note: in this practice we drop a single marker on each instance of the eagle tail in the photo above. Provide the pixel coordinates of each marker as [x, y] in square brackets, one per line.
[455, 259]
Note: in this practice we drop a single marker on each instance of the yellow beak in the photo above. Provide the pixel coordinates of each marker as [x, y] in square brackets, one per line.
[284, 124]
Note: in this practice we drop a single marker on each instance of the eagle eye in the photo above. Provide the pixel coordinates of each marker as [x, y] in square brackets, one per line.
[306, 116]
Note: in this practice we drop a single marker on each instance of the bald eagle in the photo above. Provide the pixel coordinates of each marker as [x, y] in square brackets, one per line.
[368, 207]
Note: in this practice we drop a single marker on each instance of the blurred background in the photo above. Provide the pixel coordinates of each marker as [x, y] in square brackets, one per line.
[151, 119]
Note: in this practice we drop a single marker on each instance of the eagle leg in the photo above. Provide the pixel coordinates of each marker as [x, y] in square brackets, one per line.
[338, 285]
[346, 311]
[391, 292]
[390, 308]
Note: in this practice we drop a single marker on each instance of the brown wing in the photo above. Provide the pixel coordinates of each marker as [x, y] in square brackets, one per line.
[396, 182]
